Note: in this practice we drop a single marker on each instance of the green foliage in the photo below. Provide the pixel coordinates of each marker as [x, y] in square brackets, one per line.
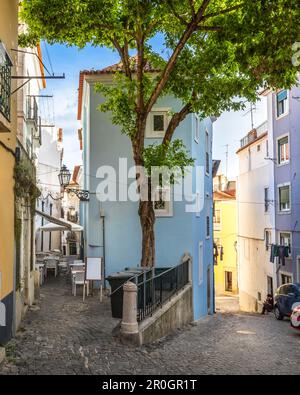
[237, 48]
[25, 183]
[120, 101]
[173, 156]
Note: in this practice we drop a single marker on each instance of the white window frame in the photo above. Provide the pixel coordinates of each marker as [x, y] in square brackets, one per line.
[207, 151]
[210, 230]
[291, 241]
[200, 263]
[285, 162]
[218, 225]
[150, 133]
[197, 129]
[268, 240]
[168, 212]
[289, 274]
[287, 105]
[285, 211]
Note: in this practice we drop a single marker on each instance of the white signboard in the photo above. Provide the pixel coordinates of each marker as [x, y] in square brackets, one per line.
[93, 268]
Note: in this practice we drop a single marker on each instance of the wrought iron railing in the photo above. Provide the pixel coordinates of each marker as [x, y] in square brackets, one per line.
[155, 290]
[5, 84]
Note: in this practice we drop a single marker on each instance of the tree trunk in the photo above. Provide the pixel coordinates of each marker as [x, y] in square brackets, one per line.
[147, 219]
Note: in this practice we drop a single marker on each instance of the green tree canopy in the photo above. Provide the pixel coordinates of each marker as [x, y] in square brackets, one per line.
[217, 54]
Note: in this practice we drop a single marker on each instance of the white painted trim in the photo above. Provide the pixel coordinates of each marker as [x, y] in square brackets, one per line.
[150, 133]
[287, 105]
[197, 135]
[278, 164]
[278, 208]
[200, 263]
[208, 151]
[168, 212]
[291, 238]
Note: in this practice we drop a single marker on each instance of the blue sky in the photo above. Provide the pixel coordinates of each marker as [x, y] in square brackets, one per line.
[228, 129]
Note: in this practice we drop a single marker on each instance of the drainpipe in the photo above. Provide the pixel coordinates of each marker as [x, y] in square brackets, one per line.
[102, 216]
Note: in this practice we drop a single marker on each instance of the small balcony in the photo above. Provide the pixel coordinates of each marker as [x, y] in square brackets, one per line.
[32, 110]
[5, 88]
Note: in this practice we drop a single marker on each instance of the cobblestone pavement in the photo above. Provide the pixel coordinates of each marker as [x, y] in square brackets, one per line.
[227, 304]
[62, 335]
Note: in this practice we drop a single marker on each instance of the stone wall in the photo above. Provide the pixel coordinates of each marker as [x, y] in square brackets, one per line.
[175, 314]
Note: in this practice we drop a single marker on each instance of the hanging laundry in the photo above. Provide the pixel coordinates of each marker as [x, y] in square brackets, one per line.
[274, 252]
[282, 251]
[287, 251]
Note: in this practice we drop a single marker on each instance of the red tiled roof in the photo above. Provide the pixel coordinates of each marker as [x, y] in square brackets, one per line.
[117, 67]
[75, 174]
[224, 195]
[60, 135]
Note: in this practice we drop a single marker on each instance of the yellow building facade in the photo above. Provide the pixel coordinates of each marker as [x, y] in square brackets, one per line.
[8, 127]
[225, 243]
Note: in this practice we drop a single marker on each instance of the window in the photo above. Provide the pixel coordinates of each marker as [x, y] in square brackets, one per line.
[266, 200]
[5, 82]
[157, 123]
[217, 217]
[286, 279]
[207, 227]
[267, 148]
[282, 103]
[285, 240]
[228, 281]
[163, 205]
[197, 129]
[200, 263]
[283, 150]
[207, 150]
[258, 148]
[284, 198]
[268, 238]
[270, 285]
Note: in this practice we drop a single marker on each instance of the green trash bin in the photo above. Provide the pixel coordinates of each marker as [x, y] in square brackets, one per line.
[116, 280]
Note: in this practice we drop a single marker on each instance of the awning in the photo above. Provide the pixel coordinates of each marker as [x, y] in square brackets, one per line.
[58, 224]
[55, 227]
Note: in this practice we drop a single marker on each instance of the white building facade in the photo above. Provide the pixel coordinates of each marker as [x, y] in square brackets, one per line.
[28, 143]
[49, 163]
[256, 218]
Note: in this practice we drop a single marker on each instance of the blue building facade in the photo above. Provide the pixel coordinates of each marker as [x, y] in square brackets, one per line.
[284, 113]
[177, 231]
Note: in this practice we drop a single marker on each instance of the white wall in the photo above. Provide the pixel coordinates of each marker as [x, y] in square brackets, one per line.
[48, 167]
[255, 174]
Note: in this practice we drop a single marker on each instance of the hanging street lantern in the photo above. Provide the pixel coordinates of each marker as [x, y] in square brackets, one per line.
[64, 177]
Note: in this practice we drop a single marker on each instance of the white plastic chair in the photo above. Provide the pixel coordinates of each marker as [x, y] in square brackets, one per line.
[78, 278]
[52, 264]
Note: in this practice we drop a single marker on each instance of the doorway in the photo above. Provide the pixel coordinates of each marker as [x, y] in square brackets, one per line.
[228, 281]
[270, 288]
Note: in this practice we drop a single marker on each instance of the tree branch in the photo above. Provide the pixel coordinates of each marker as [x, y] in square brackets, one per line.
[209, 28]
[192, 7]
[124, 55]
[192, 26]
[222, 12]
[175, 121]
[175, 13]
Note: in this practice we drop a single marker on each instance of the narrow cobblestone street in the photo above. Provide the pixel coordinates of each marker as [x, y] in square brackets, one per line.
[62, 335]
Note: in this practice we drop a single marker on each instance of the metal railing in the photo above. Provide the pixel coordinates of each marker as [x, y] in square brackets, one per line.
[5, 86]
[32, 110]
[155, 290]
